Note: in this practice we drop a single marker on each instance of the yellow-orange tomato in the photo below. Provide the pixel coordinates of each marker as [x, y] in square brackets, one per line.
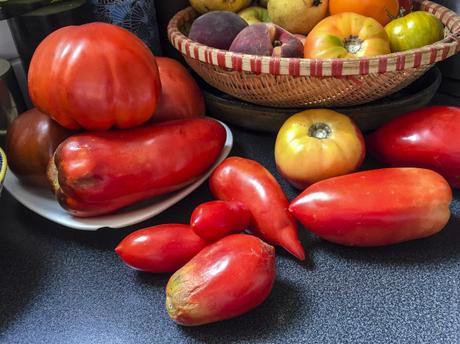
[346, 35]
[317, 144]
[383, 11]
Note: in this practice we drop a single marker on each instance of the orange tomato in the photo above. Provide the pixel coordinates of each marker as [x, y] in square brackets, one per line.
[381, 10]
[346, 35]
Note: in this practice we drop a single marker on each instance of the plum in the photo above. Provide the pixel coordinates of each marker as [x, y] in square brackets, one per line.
[267, 39]
[217, 29]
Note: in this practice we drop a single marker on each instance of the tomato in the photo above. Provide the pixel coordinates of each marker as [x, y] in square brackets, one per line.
[381, 10]
[317, 144]
[247, 181]
[226, 279]
[161, 248]
[426, 138]
[375, 207]
[414, 30]
[346, 35]
[94, 76]
[216, 219]
[180, 95]
[31, 140]
[96, 173]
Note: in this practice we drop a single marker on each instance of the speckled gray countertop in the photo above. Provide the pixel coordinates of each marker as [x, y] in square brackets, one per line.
[59, 285]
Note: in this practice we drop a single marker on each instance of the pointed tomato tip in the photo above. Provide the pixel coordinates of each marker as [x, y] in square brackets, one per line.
[296, 249]
[118, 249]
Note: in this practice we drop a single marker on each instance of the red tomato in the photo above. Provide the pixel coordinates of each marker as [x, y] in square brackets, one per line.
[426, 138]
[376, 207]
[162, 248]
[95, 173]
[224, 280]
[248, 182]
[216, 219]
[181, 97]
[94, 76]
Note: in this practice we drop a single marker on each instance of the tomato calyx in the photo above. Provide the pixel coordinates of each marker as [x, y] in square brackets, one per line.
[353, 44]
[320, 131]
[277, 43]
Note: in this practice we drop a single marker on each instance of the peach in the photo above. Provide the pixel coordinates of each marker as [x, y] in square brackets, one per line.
[217, 29]
[267, 39]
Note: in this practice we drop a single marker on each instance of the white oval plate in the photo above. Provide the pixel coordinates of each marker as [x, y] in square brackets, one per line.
[42, 201]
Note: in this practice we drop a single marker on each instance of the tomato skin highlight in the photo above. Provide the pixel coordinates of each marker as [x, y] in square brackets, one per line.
[376, 207]
[414, 30]
[226, 279]
[346, 35]
[94, 76]
[96, 173]
[247, 181]
[160, 249]
[216, 219]
[426, 138]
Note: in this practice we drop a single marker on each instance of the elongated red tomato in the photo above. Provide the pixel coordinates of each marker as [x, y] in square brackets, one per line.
[375, 207]
[216, 219]
[94, 76]
[247, 181]
[226, 279]
[99, 172]
[162, 248]
[427, 138]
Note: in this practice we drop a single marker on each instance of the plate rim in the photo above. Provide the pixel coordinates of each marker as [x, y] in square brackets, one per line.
[93, 223]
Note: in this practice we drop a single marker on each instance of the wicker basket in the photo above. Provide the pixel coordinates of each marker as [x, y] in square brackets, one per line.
[294, 82]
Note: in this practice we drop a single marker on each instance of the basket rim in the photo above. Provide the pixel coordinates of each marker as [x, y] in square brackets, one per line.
[336, 67]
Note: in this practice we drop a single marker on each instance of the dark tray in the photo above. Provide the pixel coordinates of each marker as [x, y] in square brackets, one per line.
[367, 116]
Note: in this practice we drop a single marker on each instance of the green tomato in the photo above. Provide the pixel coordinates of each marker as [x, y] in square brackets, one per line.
[414, 30]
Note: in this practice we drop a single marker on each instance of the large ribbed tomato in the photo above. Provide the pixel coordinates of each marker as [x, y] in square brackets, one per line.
[346, 35]
[94, 76]
[381, 10]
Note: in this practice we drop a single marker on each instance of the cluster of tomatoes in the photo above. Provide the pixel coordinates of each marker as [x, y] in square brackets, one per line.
[370, 28]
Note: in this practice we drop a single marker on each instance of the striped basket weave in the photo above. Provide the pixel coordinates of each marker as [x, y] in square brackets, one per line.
[298, 82]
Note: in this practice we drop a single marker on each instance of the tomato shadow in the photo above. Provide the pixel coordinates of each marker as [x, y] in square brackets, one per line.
[285, 308]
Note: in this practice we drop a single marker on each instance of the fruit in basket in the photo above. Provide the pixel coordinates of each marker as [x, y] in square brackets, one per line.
[96, 173]
[31, 140]
[79, 75]
[405, 7]
[347, 35]
[216, 219]
[375, 207]
[414, 30]
[161, 248]
[426, 138]
[226, 279]
[181, 97]
[381, 10]
[204, 6]
[255, 14]
[297, 16]
[217, 29]
[317, 144]
[247, 181]
[272, 40]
